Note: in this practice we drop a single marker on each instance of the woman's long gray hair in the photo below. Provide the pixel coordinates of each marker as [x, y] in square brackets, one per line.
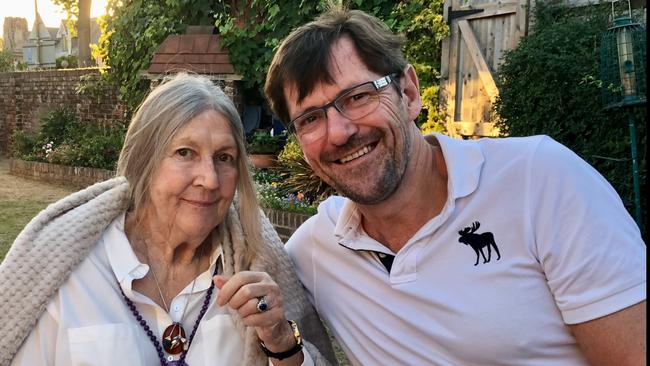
[164, 112]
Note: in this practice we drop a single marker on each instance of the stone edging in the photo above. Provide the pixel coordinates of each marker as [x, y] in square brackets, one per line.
[78, 177]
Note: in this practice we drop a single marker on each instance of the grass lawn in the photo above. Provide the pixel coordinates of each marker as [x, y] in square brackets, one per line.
[20, 200]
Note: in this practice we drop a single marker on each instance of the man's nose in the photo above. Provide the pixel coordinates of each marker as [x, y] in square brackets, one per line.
[339, 127]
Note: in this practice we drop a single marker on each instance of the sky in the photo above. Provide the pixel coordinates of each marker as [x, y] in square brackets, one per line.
[50, 13]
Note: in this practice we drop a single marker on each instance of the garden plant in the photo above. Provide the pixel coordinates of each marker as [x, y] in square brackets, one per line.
[550, 85]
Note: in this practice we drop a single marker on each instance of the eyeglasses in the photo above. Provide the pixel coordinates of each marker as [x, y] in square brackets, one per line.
[355, 103]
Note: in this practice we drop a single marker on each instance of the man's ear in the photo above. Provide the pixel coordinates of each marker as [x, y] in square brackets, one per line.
[410, 87]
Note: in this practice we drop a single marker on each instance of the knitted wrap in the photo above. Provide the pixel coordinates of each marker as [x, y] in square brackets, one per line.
[53, 243]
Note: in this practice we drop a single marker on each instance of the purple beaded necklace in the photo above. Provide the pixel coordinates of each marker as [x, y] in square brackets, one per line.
[154, 339]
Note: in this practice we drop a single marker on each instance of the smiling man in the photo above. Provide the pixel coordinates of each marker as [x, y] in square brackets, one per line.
[440, 251]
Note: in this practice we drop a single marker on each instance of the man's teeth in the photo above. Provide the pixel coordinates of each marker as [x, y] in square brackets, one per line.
[355, 155]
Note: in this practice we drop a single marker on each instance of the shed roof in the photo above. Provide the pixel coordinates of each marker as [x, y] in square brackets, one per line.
[200, 53]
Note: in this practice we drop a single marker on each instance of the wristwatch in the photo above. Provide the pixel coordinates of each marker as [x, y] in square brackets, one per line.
[295, 349]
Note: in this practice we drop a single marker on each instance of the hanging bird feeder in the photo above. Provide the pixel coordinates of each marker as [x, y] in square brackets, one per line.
[623, 73]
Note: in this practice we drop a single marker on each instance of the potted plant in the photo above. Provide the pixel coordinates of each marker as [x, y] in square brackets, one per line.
[263, 148]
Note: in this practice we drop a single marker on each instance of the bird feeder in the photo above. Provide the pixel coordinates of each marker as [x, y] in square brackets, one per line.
[623, 73]
[622, 60]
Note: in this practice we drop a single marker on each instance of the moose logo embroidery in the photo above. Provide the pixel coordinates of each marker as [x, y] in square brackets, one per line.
[469, 237]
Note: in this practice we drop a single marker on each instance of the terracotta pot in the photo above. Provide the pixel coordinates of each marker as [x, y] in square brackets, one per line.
[263, 160]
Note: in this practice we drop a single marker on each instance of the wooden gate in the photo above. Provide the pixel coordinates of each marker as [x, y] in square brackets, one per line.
[481, 31]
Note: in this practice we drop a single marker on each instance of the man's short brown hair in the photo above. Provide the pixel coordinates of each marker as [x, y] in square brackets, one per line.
[304, 57]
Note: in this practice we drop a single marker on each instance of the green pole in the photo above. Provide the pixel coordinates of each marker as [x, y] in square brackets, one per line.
[635, 167]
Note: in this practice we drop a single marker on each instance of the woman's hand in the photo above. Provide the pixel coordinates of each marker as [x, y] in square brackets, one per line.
[242, 292]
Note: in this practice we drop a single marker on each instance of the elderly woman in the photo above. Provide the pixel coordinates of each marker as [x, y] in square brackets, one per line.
[160, 265]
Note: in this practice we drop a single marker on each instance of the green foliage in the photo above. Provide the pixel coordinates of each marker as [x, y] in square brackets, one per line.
[71, 60]
[270, 194]
[133, 30]
[548, 85]
[424, 27]
[291, 186]
[59, 126]
[261, 142]
[64, 140]
[94, 86]
[298, 176]
[252, 42]
[252, 30]
[23, 143]
[9, 63]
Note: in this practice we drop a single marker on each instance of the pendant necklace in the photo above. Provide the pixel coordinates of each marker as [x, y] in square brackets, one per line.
[174, 339]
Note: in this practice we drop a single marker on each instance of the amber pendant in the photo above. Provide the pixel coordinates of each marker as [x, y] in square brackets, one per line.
[174, 340]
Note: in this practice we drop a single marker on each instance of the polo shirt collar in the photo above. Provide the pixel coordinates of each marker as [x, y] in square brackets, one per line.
[464, 160]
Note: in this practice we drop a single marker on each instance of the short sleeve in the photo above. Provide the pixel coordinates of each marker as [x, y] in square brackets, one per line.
[589, 246]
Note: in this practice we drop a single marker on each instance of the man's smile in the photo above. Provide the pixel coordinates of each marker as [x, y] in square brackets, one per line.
[361, 152]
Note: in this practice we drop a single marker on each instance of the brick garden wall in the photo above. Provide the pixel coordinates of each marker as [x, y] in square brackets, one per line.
[26, 96]
[77, 177]
[285, 223]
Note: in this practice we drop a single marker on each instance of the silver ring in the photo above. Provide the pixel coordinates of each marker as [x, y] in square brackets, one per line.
[262, 305]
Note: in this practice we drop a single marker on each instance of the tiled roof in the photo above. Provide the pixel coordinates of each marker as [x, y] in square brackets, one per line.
[200, 53]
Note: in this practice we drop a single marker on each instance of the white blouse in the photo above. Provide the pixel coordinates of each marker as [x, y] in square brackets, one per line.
[88, 322]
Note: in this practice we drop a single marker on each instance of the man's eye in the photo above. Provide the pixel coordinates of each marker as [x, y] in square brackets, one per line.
[307, 120]
[357, 99]
[360, 96]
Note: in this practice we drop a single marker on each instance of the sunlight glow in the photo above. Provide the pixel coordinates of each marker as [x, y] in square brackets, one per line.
[50, 13]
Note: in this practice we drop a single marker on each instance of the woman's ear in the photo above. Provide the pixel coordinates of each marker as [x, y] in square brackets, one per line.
[410, 87]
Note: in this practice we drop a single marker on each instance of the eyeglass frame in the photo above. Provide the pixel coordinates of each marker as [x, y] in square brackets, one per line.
[379, 84]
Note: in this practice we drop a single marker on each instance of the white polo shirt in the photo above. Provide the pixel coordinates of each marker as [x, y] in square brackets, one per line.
[88, 322]
[569, 253]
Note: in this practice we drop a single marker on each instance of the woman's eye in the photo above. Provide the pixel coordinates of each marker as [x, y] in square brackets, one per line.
[225, 158]
[184, 153]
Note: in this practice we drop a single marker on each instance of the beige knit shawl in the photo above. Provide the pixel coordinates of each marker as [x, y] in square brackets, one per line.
[52, 245]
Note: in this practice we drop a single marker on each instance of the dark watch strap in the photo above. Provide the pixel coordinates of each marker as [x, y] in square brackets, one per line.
[286, 354]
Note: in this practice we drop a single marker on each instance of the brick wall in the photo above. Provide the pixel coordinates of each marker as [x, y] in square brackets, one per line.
[27, 96]
[285, 223]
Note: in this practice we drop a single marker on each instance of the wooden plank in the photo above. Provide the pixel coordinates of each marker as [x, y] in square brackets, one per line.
[444, 59]
[466, 100]
[501, 36]
[475, 52]
[493, 12]
[460, 78]
[521, 19]
[450, 84]
[489, 40]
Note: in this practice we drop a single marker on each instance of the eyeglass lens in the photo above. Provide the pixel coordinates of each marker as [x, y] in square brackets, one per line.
[356, 103]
